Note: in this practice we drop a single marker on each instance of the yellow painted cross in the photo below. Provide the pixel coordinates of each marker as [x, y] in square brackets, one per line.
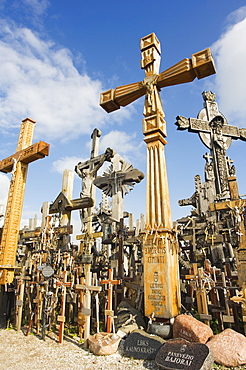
[18, 165]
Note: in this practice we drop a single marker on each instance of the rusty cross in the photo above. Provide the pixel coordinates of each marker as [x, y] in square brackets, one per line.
[18, 165]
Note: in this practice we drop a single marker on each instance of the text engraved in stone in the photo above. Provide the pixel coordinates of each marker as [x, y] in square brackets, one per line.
[179, 358]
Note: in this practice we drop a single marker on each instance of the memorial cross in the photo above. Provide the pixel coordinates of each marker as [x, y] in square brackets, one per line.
[161, 276]
[18, 165]
[110, 281]
[216, 134]
[61, 318]
[117, 181]
[86, 309]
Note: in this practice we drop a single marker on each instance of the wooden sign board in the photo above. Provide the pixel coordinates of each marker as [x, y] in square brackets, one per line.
[161, 287]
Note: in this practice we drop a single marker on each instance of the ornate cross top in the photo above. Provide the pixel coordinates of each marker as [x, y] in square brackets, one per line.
[216, 134]
[199, 65]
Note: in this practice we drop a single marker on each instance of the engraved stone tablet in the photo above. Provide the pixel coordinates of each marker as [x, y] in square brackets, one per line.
[179, 354]
[141, 345]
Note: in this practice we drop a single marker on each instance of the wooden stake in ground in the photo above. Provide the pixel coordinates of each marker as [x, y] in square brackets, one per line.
[18, 165]
[61, 318]
[110, 283]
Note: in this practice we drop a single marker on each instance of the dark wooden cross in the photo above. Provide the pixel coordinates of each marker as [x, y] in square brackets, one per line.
[18, 165]
[216, 134]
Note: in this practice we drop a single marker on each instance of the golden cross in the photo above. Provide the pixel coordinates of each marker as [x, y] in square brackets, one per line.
[17, 164]
[200, 65]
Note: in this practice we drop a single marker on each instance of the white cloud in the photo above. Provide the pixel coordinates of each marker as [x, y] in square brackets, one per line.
[66, 163]
[123, 143]
[39, 80]
[38, 6]
[230, 56]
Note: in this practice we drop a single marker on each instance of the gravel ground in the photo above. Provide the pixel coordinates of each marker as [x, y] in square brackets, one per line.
[32, 353]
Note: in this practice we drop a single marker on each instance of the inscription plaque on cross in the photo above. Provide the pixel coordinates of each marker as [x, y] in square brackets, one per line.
[18, 165]
[161, 272]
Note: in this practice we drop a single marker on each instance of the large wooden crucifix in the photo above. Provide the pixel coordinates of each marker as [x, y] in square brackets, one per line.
[161, 272]
[18, 165]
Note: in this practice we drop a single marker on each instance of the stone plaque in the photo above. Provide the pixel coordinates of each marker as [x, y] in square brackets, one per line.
[141, 345]
[179, 354]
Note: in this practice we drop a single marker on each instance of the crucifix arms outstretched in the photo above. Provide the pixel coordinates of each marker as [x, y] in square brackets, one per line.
[200, 65]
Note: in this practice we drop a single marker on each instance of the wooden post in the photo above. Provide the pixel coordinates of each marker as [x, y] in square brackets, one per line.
[110, 283]
[86, 302]
[61, 318]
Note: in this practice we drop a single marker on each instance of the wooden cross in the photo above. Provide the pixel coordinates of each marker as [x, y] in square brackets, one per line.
[86, 309]
[18, 164]
[110, 283]
[61, 318]
[216, 134]
[117, 181]
[160, 261]
[200, 65]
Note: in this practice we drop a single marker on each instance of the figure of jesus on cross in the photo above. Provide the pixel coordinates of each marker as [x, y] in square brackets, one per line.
[161, 270]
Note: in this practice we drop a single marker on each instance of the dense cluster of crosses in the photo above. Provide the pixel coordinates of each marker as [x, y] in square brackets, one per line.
[196, 265]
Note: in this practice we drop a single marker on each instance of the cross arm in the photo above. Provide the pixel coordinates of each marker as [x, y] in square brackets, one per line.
[27, 155]
[112, 100]
[200, 65]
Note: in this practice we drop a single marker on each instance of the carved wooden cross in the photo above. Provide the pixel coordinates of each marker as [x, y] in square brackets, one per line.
[160, 244]
[61, 318]
[18, 164]
[216, 134]
[200, 65]
[110, 281]
[117, 181]
[86, 309]
[88, 171]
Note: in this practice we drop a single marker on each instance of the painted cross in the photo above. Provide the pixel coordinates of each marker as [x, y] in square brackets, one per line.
[18, 165]
[160, 244]
[216, 134]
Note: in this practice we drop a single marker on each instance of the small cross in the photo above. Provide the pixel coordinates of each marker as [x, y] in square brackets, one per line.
[110, 282]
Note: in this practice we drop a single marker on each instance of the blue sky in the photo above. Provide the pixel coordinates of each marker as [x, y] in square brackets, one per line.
[57, 56]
